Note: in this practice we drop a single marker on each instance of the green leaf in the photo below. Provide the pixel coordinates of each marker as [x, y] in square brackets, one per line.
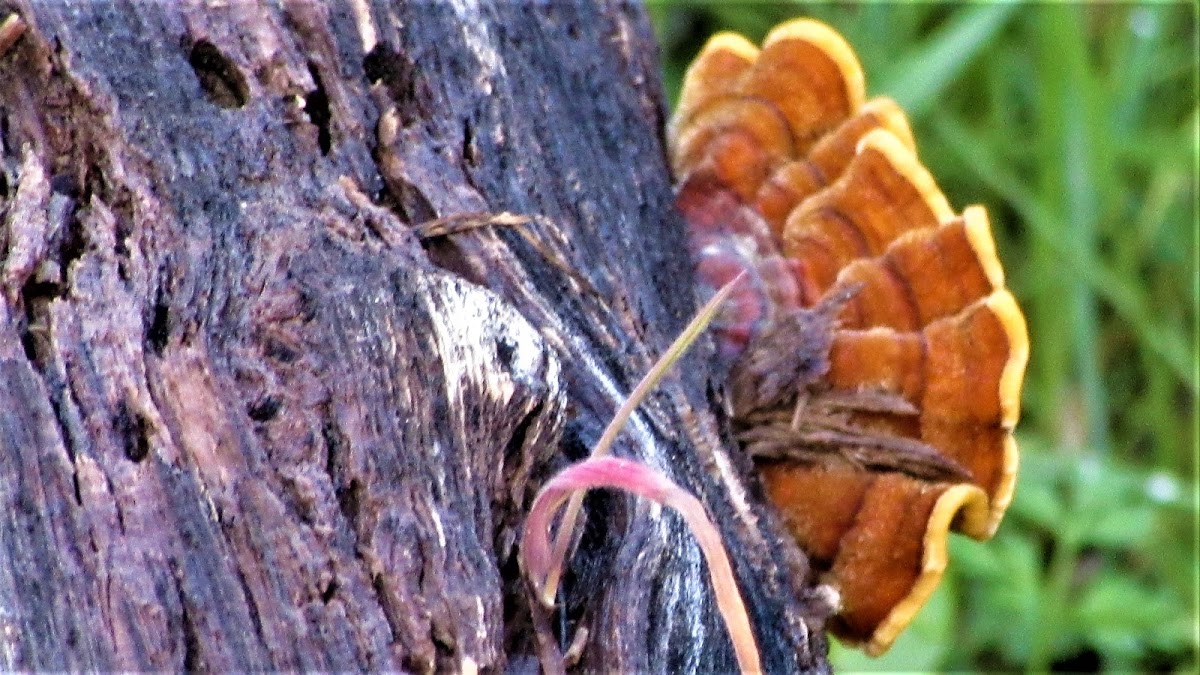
[977, 561]
[918, 78]
[1040, 502]
[1120, 528]
[1121, 617]
[1008, 602]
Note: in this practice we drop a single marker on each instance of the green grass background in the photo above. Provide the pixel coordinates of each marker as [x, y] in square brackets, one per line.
[1076, 125]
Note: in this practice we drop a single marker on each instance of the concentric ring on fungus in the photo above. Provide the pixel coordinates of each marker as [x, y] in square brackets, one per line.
[784, 171]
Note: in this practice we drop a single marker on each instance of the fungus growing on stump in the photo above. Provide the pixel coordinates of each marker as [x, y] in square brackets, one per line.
[875, 357]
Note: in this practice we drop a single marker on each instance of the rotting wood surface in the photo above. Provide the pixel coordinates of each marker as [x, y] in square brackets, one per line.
[249, 420]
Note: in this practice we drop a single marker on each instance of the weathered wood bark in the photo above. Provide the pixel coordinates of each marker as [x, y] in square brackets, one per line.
[249, 421]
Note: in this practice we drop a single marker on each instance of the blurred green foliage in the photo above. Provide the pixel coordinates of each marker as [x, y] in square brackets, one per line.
[1077, 126]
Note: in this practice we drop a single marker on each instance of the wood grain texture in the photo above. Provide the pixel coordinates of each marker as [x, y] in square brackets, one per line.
[249, 420]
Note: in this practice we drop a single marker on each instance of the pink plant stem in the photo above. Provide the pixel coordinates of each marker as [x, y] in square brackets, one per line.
[11, 30]
[639, 479]
[694, 330]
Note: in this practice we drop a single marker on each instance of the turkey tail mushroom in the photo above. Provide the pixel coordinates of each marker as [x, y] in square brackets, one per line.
[898, 424]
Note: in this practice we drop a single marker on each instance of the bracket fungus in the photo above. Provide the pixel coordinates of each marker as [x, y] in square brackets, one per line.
[875, 356]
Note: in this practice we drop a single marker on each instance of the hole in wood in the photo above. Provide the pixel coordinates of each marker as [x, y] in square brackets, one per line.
[159, 331]
[131, 427]
[316, 106]
[401, 78]
[265, 409]
[220, 79]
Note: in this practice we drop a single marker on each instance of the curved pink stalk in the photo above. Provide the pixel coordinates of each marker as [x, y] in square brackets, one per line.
[639, 479]
[678, 348]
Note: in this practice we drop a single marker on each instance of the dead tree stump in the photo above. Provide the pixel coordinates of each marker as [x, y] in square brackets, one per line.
[251, 420]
